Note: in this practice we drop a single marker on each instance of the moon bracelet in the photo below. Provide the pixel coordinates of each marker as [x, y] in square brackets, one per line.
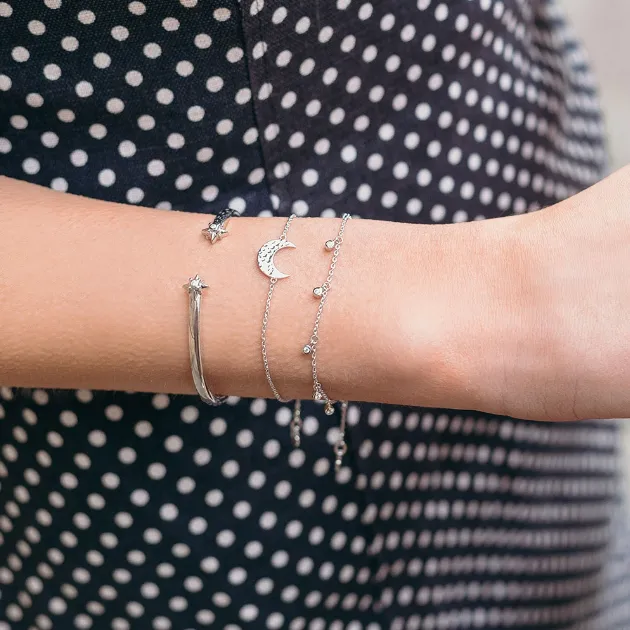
[267, 265]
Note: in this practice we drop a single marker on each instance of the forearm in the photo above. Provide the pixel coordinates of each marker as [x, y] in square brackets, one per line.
[92, 297]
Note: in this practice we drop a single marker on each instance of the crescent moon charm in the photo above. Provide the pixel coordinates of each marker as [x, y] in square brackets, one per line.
[266, 255]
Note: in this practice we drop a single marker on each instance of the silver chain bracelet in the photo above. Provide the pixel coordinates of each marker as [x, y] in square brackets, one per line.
[216, 230]
[321, 292]
[319, 394]
[267, 265]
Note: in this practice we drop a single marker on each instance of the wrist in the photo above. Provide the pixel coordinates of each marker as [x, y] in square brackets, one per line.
[469, 315]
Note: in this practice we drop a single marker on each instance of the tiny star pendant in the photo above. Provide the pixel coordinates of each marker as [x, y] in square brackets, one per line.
[214, 232]
[218, 228]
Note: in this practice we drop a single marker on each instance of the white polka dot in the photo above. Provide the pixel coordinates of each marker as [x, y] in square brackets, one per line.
[248, 613]
[120, 33]
[70, 43]
[302, 25]
[224, 127]
[183, 182]
[127, 455]
[139, 497]
[387, 22]
[438, 212]
[225, 538]
[271, 448]
[209, 193]
[115, 106]
[134, 78]
[197, 525]
[137, 8]
[57, 606]
[203, 41]
[205, 154]
[34, 26]
[34, 100]
[221, 14]
[30, 166]
[234, 54]
[98, 131]
[242, 509]
[20, 54]
[338, 185]
[164, 96]
[170, 24]
[168, 512]
[230, 469]
[175, 141]
[127, 149]
[52, 71]
[230, 165]
[86, 17]
[184, 68]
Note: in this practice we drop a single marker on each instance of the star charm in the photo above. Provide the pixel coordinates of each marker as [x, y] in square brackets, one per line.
[214, 231]
[195, 284]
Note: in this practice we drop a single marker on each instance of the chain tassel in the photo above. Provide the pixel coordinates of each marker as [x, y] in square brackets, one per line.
[341, 447]
[296, 425]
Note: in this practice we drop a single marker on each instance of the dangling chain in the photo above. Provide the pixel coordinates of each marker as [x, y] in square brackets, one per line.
[267, 266]
[321, 292]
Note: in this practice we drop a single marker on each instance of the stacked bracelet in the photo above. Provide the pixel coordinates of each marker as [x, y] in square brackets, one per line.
[194, 287]
[216, 230]
[267, 265]
[321, 292]
[319, 394]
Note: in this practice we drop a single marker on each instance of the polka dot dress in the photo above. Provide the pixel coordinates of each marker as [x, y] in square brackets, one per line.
[121, 511]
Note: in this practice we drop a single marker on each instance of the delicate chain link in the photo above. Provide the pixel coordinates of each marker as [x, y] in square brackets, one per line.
[296, 425]
[341, 447]
[318, 390]
[265, 322]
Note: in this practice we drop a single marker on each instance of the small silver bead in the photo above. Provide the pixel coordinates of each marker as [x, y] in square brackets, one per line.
[318, 291]
[307, 349]
[329, 245]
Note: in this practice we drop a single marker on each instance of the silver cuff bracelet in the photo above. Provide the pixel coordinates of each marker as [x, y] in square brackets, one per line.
[216, 230]
[194, 287]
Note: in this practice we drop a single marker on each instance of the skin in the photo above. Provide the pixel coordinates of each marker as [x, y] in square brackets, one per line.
[524, 315]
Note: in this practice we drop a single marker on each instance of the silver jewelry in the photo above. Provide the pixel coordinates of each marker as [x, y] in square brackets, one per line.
[296, 425]
[321, 292]
[218, 228]
[266, 256]
[341, 448]
[267, 266]
[194, 287]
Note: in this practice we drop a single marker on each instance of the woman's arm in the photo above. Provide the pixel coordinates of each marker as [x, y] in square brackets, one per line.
[526, 315]
[92, 297]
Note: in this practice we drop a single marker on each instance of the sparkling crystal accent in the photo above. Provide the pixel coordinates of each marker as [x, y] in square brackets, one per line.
[196, 284]
[307, 349]
[330, 245]
[318, 291]
[329, 409]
